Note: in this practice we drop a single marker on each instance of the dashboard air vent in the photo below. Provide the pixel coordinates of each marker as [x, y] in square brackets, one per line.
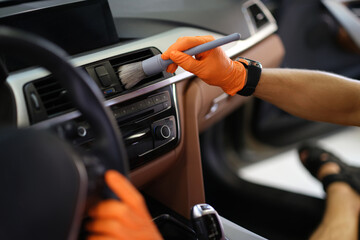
[45, 98]
[137, 56]
[258, 16]
[53, 96]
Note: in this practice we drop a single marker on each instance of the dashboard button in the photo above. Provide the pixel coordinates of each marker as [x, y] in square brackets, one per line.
[132, 108]
[103, 76]
[81, 131]
[141, 105]
[156, 99]
[166, 105]
[117, 113]
[123, 111]
[162, 132]
[163, 97]
[149, 102]
[109, 91]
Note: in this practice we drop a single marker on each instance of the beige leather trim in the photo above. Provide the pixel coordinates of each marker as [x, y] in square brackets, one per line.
[145, 174]
[270, 52]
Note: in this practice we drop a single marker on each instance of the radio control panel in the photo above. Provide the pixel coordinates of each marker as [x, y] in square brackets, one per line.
[149, 125]
[153, 103]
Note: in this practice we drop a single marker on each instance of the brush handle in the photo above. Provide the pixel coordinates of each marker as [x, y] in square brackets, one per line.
[213, 44]
[156, 64]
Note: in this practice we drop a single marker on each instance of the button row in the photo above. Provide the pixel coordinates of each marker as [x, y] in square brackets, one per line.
[144, 104]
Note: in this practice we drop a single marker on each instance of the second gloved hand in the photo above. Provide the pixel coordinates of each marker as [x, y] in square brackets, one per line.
[213, 66]
[121, 220]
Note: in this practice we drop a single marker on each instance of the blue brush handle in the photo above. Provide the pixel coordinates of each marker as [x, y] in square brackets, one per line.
[156, 64]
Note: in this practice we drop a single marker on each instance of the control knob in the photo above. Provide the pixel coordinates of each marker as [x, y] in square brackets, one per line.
[81, 131]
[162, 132]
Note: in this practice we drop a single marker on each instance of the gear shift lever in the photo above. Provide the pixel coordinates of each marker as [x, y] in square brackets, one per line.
[206, 223]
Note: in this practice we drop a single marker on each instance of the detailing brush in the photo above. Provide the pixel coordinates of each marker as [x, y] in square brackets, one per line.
[131, 74]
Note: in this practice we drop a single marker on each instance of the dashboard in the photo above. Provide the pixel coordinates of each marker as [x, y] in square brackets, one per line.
[161, 117]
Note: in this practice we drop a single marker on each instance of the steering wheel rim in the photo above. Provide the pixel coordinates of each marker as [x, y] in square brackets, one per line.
[84, 93]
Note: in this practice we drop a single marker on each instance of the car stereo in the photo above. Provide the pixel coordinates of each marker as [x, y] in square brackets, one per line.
[149, 125]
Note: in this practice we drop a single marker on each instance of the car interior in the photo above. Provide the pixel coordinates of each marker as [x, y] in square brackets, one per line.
[66, 117]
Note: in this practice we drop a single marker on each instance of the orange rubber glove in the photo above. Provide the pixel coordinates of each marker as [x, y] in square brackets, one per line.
[212, 66]
[125, 219]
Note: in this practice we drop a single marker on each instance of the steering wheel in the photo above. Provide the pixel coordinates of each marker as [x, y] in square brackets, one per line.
[43, 179]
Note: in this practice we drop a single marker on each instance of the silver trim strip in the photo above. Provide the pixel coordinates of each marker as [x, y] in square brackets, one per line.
[138, 135]
[151, 150]
[18, 80]
[177, 112]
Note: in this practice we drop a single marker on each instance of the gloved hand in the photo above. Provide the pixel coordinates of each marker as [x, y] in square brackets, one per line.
[212, 66]
[125, 219]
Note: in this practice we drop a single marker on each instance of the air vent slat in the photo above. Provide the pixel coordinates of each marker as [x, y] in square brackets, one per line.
[54, 93]
[57, 101]
[134, 57]
[132, 61]
[60, 106]
[47, 85]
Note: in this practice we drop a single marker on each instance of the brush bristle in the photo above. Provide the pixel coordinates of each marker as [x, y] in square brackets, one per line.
[131, 74]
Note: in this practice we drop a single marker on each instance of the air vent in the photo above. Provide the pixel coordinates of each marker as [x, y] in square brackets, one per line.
[46, 98]
[106, 72]
[137, 56]
[53, 96]
[258, 16]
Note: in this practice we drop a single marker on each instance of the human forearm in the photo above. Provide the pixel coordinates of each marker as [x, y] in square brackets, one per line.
[312, 95]
[308, 94]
